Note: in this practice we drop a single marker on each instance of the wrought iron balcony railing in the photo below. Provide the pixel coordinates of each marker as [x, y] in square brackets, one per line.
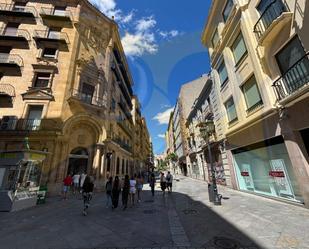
[19, 33]
[18, 10]
[122, 144]
[87, 98]
[28, 125]
[54, 13]
[271, 13]
[11, 59]
[61, 37]
[296, 77]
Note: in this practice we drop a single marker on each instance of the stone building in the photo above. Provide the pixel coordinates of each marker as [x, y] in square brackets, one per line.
[260, 68]
[65, 84]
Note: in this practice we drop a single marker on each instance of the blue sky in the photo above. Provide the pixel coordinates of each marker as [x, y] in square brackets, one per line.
[162, 40]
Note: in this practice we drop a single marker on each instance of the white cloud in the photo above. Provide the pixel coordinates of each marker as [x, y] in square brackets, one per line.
[161, 135]
[128, 18]
[169, 34]
[163, 117]
[108, 7]
[145, 24]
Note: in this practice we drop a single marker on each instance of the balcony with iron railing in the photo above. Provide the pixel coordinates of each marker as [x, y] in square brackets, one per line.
[271, 21]
[29, 125]
[7, 10]
[54, 15]
[294, 80]
[51, 37]
[122, 144]
[86, 98]
[14, 35]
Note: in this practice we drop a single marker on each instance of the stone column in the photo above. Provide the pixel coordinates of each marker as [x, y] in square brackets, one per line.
[96, 161]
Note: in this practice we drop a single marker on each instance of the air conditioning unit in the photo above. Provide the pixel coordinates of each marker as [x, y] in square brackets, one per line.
[8, 123]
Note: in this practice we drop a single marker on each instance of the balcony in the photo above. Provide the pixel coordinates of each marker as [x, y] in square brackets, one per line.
[272, 20]
[60, 38]
[125, 109]
[32, 125]
[9, 11]
[122, 144]
[86, 98]
[125, 127]
[10, 64]
[294, 80]
[56, 18]
[17, 38]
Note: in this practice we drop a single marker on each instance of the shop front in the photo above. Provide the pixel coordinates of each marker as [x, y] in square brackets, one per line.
[265, 168]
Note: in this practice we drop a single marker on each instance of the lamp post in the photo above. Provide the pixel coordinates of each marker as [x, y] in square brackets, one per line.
[207, 129]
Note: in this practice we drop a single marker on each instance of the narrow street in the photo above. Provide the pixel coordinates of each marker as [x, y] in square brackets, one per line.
[184, 218]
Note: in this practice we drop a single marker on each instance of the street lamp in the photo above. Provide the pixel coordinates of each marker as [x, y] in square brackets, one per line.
[207, 129]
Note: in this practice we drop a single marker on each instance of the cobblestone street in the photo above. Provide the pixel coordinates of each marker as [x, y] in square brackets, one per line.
[184, 218]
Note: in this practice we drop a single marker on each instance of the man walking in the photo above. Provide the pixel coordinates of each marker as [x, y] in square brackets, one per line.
[87, 193]
[169, 181]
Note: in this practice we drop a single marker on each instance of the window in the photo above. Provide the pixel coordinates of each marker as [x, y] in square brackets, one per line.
[290, 54]
[33, 120]
[231, 110]
[127, 167]
[11, 29]
[227, 9]
[222, 73]
[215, 39]
[19, 6]
[54, 33]
[123, 167]
[87, 93]
[42, 80]
[49, 53]
[251, 94]
[113, 105]
[239, 48]
[59, 11]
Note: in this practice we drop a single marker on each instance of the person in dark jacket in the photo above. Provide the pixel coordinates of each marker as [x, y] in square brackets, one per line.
[87, 190]
[108, 188]
[125, 191]
[152, 183]
[115, 192]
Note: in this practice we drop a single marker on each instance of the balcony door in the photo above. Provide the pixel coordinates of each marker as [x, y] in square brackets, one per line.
[59, 11]
[293, 64]
[270, 10]
[54, 33]
[33, 120]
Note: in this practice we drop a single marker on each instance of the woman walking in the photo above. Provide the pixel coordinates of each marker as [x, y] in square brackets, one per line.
[163, 183]
[125, 191]
[87, 190]
[139, 186]
[115, 192]
[108, 188]
[132, 190]
[152, 183]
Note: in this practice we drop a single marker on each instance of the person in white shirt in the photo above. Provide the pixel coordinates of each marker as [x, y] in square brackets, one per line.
[132, 189]
[76, 179]
[169, 181]
[82, 179]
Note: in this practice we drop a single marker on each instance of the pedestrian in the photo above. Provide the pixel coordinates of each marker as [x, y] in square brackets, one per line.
[115, 192]
[82, 179]
[132, 189]
[163, 183]
[87, 190]
[125, 191]
[108, 189]
[76, 184]
[152, 183]
[139, 186]
[169, 181]
[67, 182]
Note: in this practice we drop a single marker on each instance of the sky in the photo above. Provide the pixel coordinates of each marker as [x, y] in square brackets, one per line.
[162, 42]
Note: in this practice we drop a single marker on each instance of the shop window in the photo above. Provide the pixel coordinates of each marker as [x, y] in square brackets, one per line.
[222, 73]
[42, 80]
[252, 94]
[239, 49]
[49, 53]
[231, 111]
[227, 9]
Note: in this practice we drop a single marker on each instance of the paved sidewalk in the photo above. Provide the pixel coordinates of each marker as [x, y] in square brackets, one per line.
[182, 219]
